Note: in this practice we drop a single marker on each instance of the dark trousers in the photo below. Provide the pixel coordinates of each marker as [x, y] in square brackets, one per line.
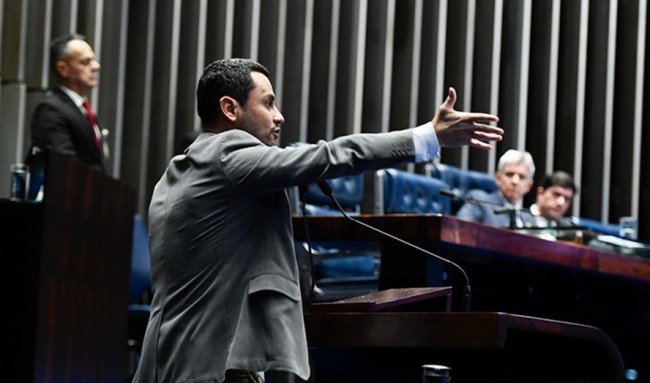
[238, 376]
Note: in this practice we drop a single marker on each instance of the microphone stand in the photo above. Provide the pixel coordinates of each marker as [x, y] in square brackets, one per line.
[327, 190]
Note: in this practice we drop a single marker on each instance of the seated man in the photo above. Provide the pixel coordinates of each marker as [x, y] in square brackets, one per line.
[514, 177]
[553, 199]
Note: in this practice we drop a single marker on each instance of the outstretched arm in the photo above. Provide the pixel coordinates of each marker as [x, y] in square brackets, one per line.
[454, 128]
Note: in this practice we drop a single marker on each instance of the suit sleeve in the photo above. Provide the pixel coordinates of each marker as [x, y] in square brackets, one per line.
[253, 166]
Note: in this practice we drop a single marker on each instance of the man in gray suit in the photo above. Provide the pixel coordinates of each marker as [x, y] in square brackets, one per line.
[226, 298]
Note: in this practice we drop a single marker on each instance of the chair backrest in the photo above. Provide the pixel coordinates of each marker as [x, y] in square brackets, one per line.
[461, 181]
[140, 265]
[347, 190]
[399, 191]
[479, 180]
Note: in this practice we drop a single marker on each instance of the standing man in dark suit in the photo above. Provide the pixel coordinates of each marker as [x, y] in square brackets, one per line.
[64, 121]
[226, 289]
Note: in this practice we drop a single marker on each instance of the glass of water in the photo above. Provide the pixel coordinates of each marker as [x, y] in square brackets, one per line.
[628, 227]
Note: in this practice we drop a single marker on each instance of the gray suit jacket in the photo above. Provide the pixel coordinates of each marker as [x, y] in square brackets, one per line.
[224, 273]
[481, 207]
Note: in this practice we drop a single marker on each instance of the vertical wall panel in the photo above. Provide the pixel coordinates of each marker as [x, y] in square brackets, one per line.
[432, 56]
[108, 97]
[513, 69]
[403, 76]
[190, 66]
[219, 31]
[537, 116]
[136, 167]
[638, 109]
[346, 67]
[165, 74]
[13, 135]
[293, 79]
[455, 65]
[625, 141]
[486, 72]
[320, 81]
[306, 69]
[378, 73]
[333, 69]
[609, 108]
[272, 42]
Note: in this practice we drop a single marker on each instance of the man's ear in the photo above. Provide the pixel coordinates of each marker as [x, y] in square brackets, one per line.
[229, 108]
[62, 68]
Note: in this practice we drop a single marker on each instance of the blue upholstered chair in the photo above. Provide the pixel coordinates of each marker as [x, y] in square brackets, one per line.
[347, 190]
[399, 191]
[140, 290]
[461, 181]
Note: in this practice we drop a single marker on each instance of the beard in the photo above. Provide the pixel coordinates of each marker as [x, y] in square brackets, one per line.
[250, 125]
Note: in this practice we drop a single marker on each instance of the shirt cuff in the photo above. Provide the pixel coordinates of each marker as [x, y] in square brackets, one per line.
[426, 143]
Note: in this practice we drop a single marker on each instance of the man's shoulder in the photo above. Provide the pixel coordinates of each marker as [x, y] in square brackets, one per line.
[56, 99]
[482, 195]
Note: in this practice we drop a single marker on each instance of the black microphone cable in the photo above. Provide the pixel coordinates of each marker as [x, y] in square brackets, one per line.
[467, 293]
[302, 190]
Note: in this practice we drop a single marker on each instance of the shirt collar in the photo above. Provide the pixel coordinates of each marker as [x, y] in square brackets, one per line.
[74, 96]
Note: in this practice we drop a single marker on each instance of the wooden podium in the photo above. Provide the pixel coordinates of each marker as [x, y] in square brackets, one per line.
[372, 338]
[66, 281]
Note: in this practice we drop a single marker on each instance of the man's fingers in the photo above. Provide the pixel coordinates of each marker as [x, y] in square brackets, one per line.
[489, 133]
[451, 98]
[478, 144]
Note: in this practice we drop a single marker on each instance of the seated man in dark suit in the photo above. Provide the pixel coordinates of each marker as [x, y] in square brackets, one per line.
[503, 208]
[64, 121]
[553, 199]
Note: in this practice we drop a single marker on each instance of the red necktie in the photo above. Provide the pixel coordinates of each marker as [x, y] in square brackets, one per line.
[93, 123]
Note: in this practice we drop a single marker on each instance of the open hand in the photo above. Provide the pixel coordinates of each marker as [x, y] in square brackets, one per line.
[455, 129]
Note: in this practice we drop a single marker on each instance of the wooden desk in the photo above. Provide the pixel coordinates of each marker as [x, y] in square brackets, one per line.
[454, 231]
[512, 272]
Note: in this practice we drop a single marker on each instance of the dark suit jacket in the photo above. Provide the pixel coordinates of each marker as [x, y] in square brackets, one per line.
[226, 286]
[58, 124]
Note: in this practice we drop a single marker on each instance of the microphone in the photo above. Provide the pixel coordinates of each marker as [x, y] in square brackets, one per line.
[505, 210]
[451, 193]
[327, 190]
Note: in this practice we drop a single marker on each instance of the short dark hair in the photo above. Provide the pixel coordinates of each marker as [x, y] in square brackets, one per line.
[226, 77]
[559, 178]
[59, 47]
